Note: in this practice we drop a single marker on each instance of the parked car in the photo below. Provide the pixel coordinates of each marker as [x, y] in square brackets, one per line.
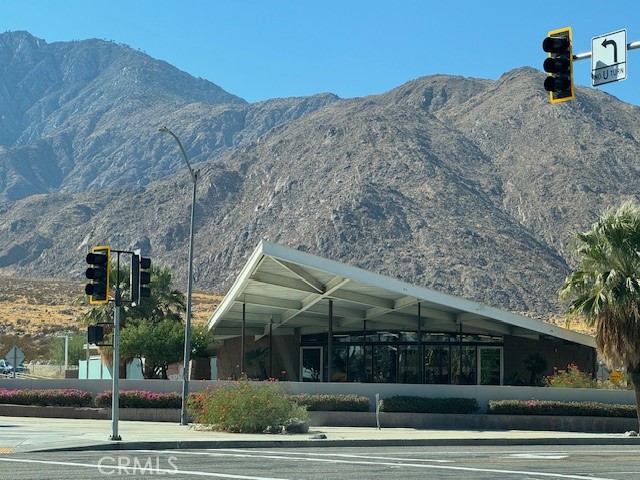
[21, 368]
[5, 367]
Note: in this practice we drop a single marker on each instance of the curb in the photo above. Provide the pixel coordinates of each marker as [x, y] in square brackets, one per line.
[433, 442]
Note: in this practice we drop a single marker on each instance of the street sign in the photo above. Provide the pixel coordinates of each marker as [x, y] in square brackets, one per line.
[15, 356]
[615, 376]
[609, 58]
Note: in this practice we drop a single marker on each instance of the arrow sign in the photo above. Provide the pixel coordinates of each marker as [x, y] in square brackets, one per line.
[608, 41]
[609, 58]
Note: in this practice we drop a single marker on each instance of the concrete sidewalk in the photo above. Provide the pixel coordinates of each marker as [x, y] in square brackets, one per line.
[18, 434]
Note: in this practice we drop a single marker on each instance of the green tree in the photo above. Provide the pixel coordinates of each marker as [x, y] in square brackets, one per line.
[605, 288]
[76, 352]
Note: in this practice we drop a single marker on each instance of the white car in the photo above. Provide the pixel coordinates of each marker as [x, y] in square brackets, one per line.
[5, 367]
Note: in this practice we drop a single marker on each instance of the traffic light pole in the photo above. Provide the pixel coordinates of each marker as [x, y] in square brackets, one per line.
[115, 370]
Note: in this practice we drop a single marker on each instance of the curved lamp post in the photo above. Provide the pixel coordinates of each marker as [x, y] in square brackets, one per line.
[187, 331]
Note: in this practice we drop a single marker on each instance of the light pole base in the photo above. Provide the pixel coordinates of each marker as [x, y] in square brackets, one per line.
[115, 438]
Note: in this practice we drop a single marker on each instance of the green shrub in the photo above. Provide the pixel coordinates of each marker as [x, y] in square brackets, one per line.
[332, 403]
[429, 405]
[61, 397]
[244, 406]
[572, 377]
[548, 407]
[140, 399]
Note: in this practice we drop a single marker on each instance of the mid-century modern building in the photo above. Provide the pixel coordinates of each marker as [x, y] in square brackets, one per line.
[296, 316]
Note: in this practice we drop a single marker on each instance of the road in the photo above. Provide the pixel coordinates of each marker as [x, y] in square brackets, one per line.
[478, 463]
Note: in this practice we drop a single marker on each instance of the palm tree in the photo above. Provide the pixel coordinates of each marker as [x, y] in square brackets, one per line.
[605, 288]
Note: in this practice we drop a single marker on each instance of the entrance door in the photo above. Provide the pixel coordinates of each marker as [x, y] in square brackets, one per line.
[311, 364]
[490, 365]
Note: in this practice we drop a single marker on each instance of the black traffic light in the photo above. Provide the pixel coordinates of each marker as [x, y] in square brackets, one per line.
[95, 334]
[559, 65]
[98, 272]
[140, 278]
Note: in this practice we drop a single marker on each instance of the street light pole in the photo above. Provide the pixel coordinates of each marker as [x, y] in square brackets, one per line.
[187, 331]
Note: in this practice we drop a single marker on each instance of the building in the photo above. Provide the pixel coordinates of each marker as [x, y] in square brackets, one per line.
[288, 309]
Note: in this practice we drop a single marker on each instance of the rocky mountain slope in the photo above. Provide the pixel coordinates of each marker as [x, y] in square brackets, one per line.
[468, 186]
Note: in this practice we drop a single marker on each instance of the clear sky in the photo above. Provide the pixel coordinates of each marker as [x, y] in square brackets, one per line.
[261, 49]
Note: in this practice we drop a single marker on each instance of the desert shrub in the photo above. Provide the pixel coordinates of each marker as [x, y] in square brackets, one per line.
[429, 405]
[549, 407]
[62, 397]
[332, 403]
[244, 406]
[140, 399]
[572, 377]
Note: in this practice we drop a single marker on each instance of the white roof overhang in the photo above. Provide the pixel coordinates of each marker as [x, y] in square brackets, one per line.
[283, 291]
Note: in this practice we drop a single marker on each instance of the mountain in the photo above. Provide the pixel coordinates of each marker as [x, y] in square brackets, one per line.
[471, 187]
[84, 115]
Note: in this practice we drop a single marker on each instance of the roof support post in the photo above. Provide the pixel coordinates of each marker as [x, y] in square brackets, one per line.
[330, 342]
[242, 335]
[420, 354]
[271, 348]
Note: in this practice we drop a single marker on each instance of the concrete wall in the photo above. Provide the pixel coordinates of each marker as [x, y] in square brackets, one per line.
[483, 393]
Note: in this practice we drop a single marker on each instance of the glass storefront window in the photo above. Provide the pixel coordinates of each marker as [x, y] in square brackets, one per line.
[408, 364]
[436, 364]
[463, 364]
[385, 361]
[356, 371]
[339, 364]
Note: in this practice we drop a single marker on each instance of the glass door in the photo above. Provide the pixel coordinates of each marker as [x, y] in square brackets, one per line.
[490, 365]
[311, 364]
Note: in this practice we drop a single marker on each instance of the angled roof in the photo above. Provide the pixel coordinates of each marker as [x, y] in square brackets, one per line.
[286, 291]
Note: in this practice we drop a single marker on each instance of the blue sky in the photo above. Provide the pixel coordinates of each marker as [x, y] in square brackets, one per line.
[261, 49]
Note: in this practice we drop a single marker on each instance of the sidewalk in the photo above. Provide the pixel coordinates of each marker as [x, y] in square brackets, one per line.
[19, 434]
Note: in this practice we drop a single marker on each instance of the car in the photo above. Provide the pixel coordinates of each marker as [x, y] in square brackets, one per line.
[5, 367]
[21, 368]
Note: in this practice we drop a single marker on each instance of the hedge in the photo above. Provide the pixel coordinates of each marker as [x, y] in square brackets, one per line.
[332, 403]
[429, 405]
[549, 407]
[64, 397]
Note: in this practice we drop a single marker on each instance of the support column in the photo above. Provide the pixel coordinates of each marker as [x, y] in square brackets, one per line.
[244, 314]
[420, 353]
[271, 348]
[330, 342]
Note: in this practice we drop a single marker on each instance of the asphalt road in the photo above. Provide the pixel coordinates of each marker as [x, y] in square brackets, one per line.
[490, 463]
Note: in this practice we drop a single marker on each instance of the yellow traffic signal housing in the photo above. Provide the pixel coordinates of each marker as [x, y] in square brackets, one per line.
[99, 261]
[559, 65]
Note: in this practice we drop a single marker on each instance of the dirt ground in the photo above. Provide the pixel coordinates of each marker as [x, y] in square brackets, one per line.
[50, 306]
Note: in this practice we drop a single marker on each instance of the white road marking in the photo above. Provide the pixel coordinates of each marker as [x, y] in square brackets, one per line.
[129, 468]
[543, 456]
[296, 457]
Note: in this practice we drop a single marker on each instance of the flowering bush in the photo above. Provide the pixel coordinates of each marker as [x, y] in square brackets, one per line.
[572, 377]
[140, 399]
[547, 407]
[332, 403]
[65, 397]
[244, 406]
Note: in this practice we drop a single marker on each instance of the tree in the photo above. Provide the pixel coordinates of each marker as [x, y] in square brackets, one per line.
[76, 349]
[605, 288]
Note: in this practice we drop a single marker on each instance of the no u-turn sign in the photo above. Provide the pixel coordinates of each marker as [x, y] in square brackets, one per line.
[609, 58]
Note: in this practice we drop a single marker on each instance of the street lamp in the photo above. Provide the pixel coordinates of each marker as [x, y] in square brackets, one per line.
[187, 331]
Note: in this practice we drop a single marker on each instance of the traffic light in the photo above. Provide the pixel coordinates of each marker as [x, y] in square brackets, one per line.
[140, 278]
[95, 334]
[559, 65]
[98, 272]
